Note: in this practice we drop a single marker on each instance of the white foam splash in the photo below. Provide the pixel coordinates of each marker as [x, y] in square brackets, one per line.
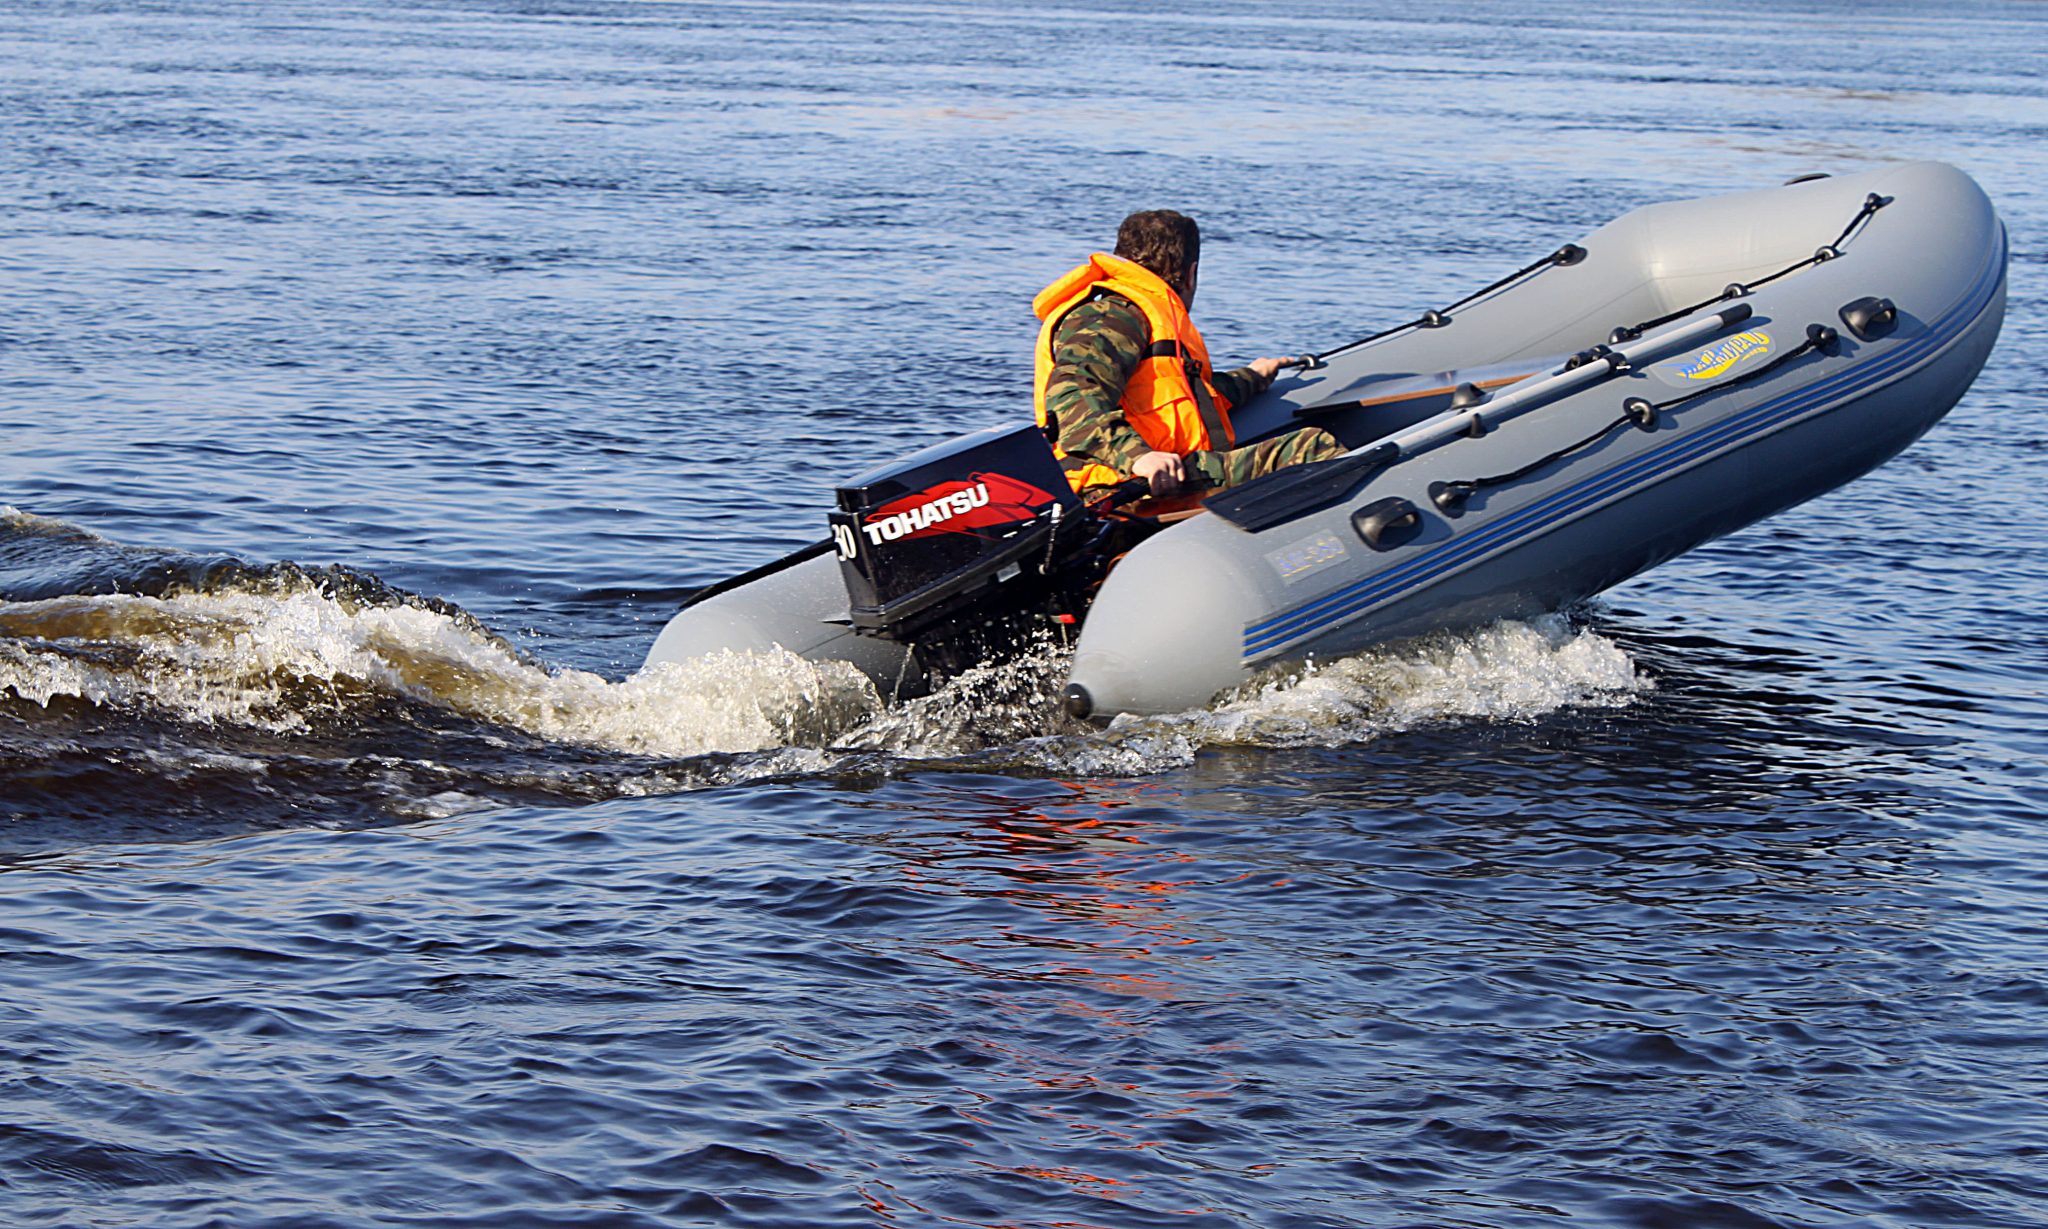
[1007, 715]
[279, 661]
[724, 702]
[284, 659]
[989, 705]
[1506, 672]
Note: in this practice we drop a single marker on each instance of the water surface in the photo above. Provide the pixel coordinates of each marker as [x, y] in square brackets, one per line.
[375, 379]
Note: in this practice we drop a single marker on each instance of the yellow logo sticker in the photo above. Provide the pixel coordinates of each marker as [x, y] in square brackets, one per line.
[1720, 358]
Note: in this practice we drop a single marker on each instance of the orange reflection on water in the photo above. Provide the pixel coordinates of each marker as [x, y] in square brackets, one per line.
[1107, 943]
[1074, 861]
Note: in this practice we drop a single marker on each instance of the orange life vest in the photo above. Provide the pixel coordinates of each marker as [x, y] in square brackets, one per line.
[1169, 399]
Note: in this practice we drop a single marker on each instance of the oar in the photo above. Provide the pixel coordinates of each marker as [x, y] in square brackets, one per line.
[1541, 389]
[1301, 489]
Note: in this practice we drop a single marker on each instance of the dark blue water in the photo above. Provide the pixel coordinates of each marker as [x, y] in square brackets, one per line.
[375, 379]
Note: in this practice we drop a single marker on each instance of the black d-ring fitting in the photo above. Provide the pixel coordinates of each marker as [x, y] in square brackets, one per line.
[1569, 254]
[1822, 337]
[1641, 413]
[1386, 523]
[1623, 334]
[1450, 497]
[1825, 253]
[1869, 317]
[1874, 202]
[1466, 394]
[1734, 290]
[1433, 319]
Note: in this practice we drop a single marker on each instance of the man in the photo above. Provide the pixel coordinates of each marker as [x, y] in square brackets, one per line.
[1123, 377]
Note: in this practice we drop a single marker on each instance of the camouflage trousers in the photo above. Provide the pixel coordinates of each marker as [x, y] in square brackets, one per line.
[1241, 465]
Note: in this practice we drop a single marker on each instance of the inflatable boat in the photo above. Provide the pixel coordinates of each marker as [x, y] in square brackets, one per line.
[1681, 372]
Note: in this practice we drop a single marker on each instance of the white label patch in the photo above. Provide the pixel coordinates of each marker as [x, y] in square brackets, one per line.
[1297, 559]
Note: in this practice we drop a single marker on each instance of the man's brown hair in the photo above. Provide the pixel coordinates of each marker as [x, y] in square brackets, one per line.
[1166, 242]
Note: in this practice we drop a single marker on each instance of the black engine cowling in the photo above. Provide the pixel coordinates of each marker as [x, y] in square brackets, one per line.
[962, 546]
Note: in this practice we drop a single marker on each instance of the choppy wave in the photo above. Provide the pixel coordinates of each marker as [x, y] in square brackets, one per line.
[288, 662]
[289, 652]
[1510, 671]
[1506, 672]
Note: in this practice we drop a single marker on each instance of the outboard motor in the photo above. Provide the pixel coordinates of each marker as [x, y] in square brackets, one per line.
[964, 549]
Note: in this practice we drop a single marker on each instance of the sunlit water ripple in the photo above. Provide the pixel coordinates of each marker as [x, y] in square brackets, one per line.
[375, 379]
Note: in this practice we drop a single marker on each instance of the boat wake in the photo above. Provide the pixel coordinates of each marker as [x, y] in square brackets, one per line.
[218, 664]
[1006, 716]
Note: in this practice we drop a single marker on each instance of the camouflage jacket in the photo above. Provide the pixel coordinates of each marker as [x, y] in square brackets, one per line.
[1095, 350]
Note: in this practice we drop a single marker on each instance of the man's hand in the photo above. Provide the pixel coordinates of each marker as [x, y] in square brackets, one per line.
[1162, 469]
[1267, 368]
